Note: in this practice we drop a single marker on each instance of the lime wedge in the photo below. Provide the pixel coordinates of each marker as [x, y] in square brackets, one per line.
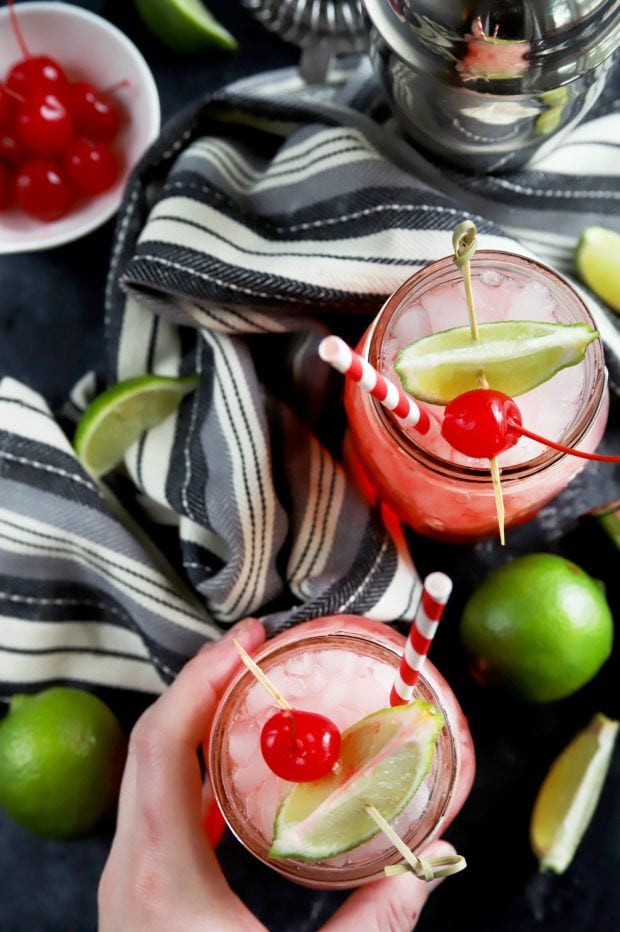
[384, 758]
[515, 355]
[569, 793]
[117, 417]
[184, 25]
[596, 261]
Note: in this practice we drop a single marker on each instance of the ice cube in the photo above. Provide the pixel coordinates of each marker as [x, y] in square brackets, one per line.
[244, 742]
[249, 778]
[411, 325]
[301, 664]
[317, 680]
[491, 278]
[256, 702]
[533, 301]
[446, 306]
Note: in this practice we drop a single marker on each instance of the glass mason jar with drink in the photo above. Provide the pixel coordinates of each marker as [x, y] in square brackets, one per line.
[429, 484]
[343, 667]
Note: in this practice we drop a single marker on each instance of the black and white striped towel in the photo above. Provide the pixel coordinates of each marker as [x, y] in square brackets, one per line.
[261, 218]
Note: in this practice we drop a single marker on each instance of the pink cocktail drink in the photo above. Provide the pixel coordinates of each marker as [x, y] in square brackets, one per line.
[432, 487]
[342, 667]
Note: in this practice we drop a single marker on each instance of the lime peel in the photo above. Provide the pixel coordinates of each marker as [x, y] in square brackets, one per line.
[384, 759]
[116, 418]
[569, 794]
[515, 356]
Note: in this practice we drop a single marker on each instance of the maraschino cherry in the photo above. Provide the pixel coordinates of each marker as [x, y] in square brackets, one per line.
[300, 746]
[37, 74]
[296, 745]
[12, 150]
[34, 73]
[44, 124]
[90, 166]
[41, 190]
[479, 423]
[94, 114]
[54, 136]
[484, 423]
[7, 106]
[6, 186]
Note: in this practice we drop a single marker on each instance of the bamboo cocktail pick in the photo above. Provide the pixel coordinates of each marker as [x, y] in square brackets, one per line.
[464, 243]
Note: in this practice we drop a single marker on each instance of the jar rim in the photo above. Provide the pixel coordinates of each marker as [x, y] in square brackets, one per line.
[517, 471]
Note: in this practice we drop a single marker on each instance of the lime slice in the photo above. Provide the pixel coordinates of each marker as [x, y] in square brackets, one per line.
[596, 261]
[384, 758]
[117, 417]
[184, 25]
[515, 356]
[569, 793]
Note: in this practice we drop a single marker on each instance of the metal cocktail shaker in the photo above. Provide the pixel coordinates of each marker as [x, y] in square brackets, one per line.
[486, 85]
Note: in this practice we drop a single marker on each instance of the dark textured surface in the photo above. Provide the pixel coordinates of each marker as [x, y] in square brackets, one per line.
[51, 323]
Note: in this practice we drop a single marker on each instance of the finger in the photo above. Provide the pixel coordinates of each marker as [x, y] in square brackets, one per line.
[393, 904]
[162, 773]
[191, 698]
[183, 714]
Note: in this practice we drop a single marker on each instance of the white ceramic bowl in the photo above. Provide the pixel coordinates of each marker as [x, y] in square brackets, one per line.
[91, 49]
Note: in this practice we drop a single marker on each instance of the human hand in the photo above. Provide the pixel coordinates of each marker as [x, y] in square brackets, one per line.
[162, 874]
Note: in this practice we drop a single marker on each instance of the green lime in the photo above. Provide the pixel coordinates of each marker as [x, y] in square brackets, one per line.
[62, 753]
[117, 417]
[539, 625]
[184, 25]
[515, 355]
[596, 262]
[384, 758]
[569, 793]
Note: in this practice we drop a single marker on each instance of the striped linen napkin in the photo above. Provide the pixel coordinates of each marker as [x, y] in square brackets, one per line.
[261, 219]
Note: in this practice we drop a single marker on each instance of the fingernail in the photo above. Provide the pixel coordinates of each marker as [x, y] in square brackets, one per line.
[241, 629]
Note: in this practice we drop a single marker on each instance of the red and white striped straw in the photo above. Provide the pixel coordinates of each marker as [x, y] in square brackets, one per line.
[435, 593]
[340, 356]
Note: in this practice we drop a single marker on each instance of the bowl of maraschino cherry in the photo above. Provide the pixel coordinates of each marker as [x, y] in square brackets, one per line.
[78, 108]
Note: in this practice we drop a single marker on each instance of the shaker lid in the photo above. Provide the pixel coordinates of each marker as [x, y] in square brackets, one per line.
[499, 46]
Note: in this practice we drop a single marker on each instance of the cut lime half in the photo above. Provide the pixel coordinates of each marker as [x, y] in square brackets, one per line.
[515, 356]
[569, 793]
[184, 25]
[384, 759]
[116, 418]
[597, 258]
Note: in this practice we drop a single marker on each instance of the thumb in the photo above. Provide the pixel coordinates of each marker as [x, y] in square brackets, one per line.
[393, 904]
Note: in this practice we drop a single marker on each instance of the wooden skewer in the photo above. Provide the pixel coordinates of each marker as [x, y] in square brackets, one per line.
[464, 243]
[256, 671]
[424, 868]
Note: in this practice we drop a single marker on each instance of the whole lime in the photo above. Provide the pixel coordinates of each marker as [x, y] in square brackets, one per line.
[62, 753]
[539, 625]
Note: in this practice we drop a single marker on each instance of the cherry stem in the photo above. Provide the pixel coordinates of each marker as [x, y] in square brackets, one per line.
[12, 93]
[17, 30]
[599, 457]
[297, 742]
[262, 678]
[113, 88]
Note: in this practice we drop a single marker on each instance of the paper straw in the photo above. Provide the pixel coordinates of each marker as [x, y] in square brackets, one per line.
[341, 357]
[435, 593]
